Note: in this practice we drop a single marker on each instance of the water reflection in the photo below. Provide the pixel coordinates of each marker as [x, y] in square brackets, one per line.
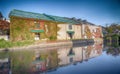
[38, 61]
[113, 48]
[4, 63]
[114, 51]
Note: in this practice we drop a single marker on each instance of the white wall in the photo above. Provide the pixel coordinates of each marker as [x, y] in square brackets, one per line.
[63, 35]
[77, 30]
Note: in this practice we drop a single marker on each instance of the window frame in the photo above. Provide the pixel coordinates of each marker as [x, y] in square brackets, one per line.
[70, 26]
[37, 25]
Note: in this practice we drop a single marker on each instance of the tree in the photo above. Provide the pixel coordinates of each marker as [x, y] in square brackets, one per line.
[1, 16]
[112, 28]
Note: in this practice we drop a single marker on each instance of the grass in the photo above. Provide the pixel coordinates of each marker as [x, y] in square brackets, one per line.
[8, 44]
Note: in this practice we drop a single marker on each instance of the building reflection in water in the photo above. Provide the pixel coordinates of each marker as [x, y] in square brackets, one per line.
[44, 60]
[78, 54]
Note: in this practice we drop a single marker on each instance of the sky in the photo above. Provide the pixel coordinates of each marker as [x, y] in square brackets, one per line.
[99, 12]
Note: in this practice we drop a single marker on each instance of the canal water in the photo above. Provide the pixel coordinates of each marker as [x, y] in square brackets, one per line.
[94, 58]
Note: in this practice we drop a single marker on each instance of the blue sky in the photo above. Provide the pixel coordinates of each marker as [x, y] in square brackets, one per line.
[99, 12]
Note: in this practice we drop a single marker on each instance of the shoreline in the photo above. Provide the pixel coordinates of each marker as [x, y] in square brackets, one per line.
[44, 45]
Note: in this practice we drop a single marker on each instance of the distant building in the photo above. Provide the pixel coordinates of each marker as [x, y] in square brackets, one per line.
[4, 25]
[90, 31]
[4, 29]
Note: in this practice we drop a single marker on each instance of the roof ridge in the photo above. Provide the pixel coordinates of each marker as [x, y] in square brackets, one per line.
[25, 11]
[49, 16]
[27, 14]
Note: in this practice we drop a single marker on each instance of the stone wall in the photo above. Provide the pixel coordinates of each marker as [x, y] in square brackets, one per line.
[92, 32]
[63, 35]
[77, 30]
[20, 29]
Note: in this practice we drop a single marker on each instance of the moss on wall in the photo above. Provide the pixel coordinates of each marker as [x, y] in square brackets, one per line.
[50, 31]
[20, 29]
[88, 32]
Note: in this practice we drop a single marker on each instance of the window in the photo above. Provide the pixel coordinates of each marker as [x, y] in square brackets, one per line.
[70, 27]
[37, 24]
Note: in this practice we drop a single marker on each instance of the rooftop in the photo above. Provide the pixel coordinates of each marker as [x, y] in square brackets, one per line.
[47, 17]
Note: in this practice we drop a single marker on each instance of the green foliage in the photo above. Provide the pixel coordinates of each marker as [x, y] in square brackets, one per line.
[43, 35]
[20, 29]
[87, 32]
[115, 36]
[7, 44]
[52, 28]
[52, 38]
[113, 27]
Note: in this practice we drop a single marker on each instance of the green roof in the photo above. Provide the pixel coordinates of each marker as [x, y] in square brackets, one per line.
[25, 14]
[37, 31]
[70, 32]
[60, 19]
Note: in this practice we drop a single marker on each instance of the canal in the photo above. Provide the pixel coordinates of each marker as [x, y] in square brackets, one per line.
[94, 58]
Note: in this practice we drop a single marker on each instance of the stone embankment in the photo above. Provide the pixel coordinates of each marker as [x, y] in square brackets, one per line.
[71, 43]
[83, 42]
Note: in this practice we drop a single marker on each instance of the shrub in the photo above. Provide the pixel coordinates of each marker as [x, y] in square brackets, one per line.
[52, 38]
[7, 44]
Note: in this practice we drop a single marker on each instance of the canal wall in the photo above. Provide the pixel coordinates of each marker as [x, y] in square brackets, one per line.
[48, 45]
[83, 42]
